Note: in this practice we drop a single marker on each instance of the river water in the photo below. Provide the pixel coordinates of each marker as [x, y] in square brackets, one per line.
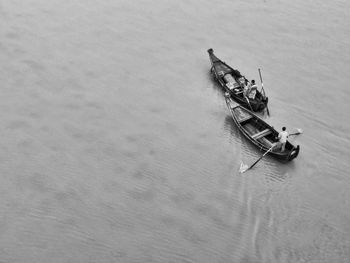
[117, 146]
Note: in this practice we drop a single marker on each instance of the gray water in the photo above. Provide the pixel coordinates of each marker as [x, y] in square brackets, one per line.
[117, 146]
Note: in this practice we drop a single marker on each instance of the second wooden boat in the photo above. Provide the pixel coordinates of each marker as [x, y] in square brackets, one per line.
[259, 132]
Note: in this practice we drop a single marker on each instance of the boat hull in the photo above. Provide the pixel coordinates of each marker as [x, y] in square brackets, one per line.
[260, 133]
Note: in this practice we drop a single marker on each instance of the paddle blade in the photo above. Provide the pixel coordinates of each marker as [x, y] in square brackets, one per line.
[299, 130]
[243, 167]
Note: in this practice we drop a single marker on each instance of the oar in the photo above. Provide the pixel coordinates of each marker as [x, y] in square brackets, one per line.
[250, 106]
[262, 88]
[299, 131]
[245, 168]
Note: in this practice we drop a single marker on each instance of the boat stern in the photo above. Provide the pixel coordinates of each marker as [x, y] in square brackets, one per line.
[294, 153]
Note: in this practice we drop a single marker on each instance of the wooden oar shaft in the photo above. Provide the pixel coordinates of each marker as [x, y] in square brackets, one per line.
[260, 158]
[250, 106]
[260, 77]
[255, 162]
[262, 89]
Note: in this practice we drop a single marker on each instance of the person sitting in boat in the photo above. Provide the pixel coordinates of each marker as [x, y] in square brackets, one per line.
[246, 88]
[283, 136]
[241, 81]
[253, 90]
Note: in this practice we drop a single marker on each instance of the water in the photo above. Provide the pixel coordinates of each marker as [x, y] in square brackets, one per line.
[117, 145]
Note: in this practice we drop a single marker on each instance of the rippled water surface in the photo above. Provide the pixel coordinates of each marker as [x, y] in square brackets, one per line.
[117, 146]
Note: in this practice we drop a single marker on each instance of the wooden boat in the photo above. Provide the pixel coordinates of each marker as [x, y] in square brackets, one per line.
[233, 82]
[259, 132]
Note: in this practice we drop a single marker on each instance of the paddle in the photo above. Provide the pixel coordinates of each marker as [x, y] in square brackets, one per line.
[299, 131]
[250, 106]
[262, 88]
[245, 167]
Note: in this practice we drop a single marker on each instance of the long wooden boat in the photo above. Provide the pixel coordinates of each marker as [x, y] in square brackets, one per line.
[259, 132]
[233, 82]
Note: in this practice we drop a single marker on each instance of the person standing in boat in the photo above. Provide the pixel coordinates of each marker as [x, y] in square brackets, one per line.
[253, 84]
[283, 136]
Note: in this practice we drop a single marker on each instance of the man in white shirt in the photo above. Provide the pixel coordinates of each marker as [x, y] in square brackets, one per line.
[283, 136]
